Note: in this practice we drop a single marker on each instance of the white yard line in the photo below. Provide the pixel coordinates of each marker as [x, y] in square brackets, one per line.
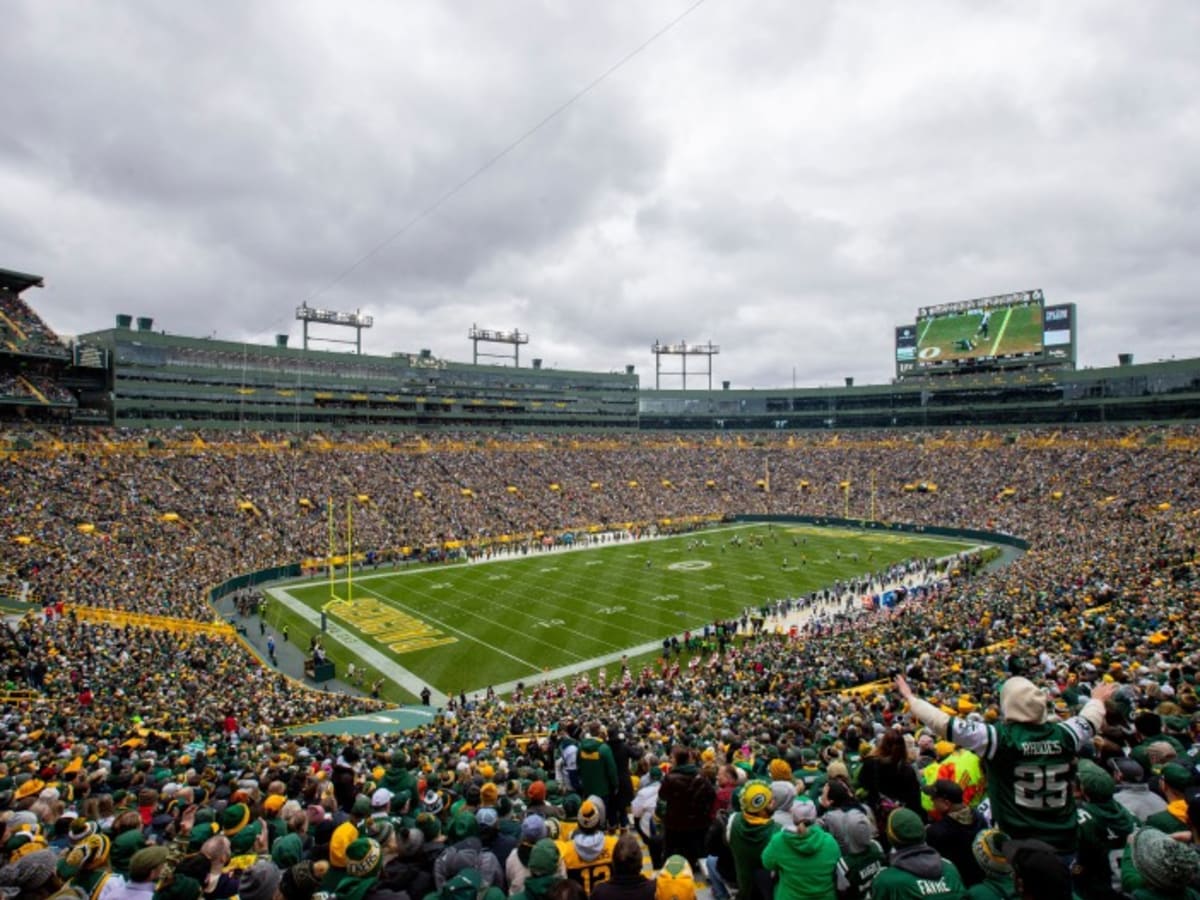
[390, 669]
[386, 666]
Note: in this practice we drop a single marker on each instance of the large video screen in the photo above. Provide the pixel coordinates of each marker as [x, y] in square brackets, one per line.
[993, 328]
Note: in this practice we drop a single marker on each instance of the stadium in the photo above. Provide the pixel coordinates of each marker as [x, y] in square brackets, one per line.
[393, 604]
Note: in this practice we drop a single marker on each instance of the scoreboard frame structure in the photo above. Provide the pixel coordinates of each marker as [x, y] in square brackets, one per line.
[997, 333]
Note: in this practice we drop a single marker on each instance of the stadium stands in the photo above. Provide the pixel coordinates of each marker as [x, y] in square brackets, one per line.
[131, 709]
[1106, 593]
[21, 329]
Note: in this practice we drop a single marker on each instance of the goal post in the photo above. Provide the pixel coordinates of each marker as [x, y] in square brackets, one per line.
[333, 554]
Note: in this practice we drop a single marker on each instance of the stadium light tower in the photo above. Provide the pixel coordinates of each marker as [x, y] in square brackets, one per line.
[683, 350]
[355, 320]
[489, 336]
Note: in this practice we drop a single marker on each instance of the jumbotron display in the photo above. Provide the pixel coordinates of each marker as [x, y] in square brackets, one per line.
[1004, 327]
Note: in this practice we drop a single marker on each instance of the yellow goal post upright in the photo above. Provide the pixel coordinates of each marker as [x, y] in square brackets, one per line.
[334, 556]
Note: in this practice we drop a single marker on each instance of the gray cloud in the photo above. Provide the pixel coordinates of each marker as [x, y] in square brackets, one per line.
[790, 180]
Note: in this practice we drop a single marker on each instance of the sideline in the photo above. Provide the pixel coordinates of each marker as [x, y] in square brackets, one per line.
[386, 666]
[392, 670]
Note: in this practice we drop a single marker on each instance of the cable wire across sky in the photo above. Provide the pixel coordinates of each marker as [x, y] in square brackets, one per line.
[450, 193]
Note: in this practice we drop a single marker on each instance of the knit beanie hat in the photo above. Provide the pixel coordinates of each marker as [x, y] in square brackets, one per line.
[364, 858]
[1022, 701]
[804, 811]
[988, 849]
[33, 870]
[259, 881]
[756, 802]
[179, 887]
[1096, 783]
[543, 858]
[779, 770]
[124, 846]
[429, 825]
[234, 818]
[300, 881]
[782, 795]
[343, 836]
[434, 802]
[200, 833]
[461, 826]
[537, 792]
[243, 841]
[287, 850]
[533, 828]
[489, 794]
[852, 828]
[86, 856]
[591, 813]
[904, 827]
[570, 805]
[487, 817]
[81, 829]
[1162, 862]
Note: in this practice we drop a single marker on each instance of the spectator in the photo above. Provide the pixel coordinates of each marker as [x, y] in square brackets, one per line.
[749, 831]
[804, 858]
[997, 883]
[1155, 867]
[862, 856]
[888, 778]
[954, 827]
[627, 882]
[598, 770]
[1028, 760]
[1175, 781]
[915, 869]
[687, 797]
[587, 855]
[1132, 791]
[1104, 826]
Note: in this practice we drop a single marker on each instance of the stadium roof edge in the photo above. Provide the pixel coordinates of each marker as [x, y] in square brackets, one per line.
[14, 281]
[111, 336]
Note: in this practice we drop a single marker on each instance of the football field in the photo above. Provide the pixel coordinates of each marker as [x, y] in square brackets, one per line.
[462, 627]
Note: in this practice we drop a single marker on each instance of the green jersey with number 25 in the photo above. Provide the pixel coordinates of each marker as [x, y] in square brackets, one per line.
[1030, 770]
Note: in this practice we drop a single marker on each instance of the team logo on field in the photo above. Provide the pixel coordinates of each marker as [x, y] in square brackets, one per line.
[691, 565]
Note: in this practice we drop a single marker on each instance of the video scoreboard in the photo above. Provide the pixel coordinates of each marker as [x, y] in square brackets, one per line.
[1001, 331]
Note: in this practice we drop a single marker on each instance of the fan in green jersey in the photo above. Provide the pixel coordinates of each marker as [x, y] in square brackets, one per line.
[1029, 761]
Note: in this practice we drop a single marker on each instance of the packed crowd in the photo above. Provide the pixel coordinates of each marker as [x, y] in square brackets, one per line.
[31, 334]
[28, 386]
[1103, 606]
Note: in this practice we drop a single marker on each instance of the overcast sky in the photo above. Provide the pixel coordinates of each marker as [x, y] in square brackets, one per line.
[787, 178]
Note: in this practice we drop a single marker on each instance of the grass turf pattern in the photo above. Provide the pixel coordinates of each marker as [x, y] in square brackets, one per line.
[513, 617]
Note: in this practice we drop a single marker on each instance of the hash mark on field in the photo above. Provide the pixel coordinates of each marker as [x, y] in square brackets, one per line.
[548, 569]
[755, 577]
[594, 562]
[440, 586]
[500, 577]
[471, 637]
[713, 587]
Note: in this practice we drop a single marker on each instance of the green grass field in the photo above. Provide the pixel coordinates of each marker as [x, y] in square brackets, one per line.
[1016, 329]
[463, 627]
